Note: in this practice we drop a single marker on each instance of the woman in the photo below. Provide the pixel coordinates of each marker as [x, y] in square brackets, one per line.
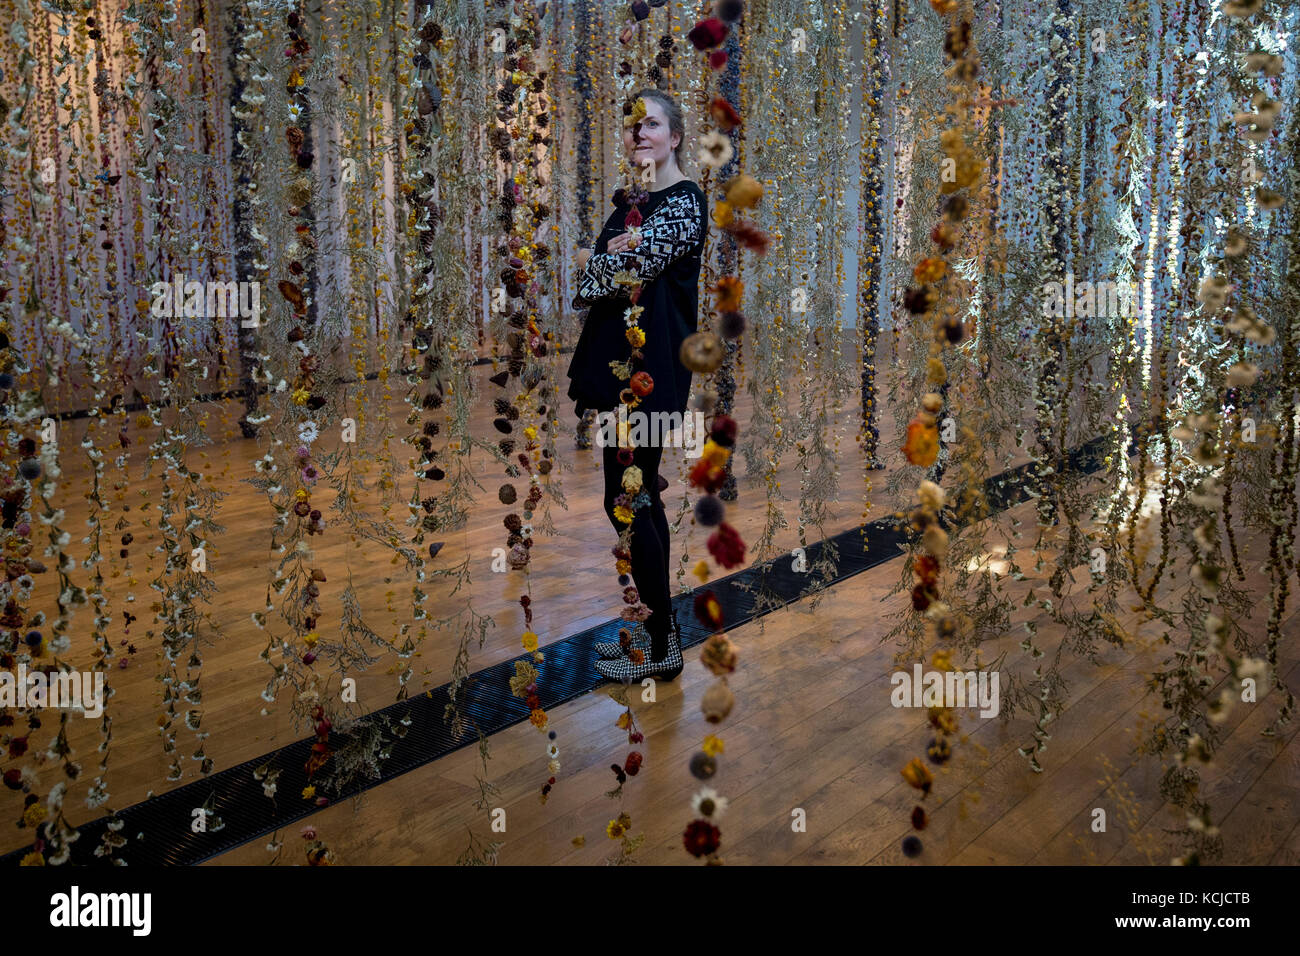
[664, 253]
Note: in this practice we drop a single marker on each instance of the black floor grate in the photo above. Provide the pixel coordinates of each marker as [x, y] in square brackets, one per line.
[158, 830]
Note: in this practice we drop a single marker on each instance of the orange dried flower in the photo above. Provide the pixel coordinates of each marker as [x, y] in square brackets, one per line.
[729, 291]
[930, 269]
[918, 775]
[922, 445]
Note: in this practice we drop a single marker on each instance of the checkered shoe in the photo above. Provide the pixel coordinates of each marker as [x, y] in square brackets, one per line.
[625, 672]
[611, 650]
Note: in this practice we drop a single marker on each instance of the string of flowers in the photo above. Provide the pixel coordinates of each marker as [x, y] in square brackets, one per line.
[85, 275]
[703, 353]
[1205, 433]
[818, 462]
[921, 447]
[123, 256]
[296, 392]
[519, 133]
[774, 342]
[1131, 151]
[633, 497]
[871, 218]
[1259, 126]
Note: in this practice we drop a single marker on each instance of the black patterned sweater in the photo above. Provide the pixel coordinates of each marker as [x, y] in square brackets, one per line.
[667, 260]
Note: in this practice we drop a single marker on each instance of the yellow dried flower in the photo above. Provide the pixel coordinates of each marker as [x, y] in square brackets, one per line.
[715, 454]
[918, 775]
[744, 192]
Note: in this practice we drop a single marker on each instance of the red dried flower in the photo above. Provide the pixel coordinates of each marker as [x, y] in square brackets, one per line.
[724, 114]
[921, 597]
[633, 218]
[633, 763]
[726, 547]
[707, 475]
[707, 34]
[927, 569]
[723, 431]
[749, 236]
[708, 611]
[701, 838]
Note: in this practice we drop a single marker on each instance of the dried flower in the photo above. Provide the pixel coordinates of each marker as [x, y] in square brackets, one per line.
[701, 838]
[726, 546]
[707, 803]
[918, 775]
[707, 34]
[715, 150]
[922, 445]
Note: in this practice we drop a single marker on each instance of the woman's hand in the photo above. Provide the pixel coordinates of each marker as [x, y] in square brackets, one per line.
[623, 242]
[583, 256]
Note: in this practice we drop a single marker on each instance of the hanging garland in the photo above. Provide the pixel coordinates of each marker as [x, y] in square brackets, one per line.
[521, 130]
[703, 353]
[932, 276]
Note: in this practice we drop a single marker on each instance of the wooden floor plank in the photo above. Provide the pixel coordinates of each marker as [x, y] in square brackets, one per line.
[813, 727]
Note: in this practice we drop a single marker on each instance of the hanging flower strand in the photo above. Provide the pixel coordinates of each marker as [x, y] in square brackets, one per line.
[921, 447]
[521, 134]
[704, 353]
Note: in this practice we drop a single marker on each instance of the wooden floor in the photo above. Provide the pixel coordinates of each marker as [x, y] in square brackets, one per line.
[813, 728]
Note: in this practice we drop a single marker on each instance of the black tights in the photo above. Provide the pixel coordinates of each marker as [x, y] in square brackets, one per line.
[650, 540]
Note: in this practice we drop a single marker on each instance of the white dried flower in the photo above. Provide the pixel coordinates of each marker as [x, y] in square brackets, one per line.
[930, 495]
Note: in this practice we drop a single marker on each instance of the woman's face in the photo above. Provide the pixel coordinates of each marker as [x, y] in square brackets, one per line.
[656, 141]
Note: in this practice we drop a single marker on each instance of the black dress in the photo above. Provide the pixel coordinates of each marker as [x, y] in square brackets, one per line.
[667, 260]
